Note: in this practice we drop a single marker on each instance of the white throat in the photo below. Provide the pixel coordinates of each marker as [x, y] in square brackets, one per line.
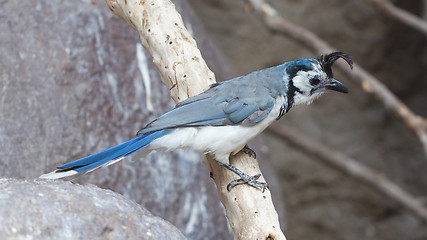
[306, 98]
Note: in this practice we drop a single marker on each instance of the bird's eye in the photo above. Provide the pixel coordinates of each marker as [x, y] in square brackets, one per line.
[314, 81]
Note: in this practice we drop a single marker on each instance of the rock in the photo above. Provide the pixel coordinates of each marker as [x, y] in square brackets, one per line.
[40, 209]
[71, 85]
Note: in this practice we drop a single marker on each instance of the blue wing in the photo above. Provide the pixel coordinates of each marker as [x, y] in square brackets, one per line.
[226, 103]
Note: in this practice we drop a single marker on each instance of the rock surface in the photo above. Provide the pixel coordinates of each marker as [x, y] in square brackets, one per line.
[39, 209]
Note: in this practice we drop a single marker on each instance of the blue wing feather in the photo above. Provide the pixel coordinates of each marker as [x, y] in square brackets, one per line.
[233, 106]
[242, 100]
[242, 113]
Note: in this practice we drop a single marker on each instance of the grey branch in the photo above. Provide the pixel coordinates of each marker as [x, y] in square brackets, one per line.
[368, 82]
[405, 17]
[352, 168]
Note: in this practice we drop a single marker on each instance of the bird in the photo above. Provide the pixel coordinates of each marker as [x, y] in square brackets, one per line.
[221, 120]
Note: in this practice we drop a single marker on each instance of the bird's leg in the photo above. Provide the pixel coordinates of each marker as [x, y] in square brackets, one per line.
[244, 178]
[251, 153]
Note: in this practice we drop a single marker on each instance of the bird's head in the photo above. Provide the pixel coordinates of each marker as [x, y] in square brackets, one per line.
[309, 78]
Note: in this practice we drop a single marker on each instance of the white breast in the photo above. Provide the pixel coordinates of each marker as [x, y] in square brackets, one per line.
[218, 140]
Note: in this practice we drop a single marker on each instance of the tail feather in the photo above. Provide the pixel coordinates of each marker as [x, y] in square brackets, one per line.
[104, 158]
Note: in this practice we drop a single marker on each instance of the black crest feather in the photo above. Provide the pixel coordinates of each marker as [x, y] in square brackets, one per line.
[327, 60]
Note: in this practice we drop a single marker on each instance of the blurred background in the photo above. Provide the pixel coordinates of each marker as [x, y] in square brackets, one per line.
[321, 202]
[71, 84]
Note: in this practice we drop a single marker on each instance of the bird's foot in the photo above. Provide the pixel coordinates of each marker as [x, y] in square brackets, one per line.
[244, 178]
[250, 180]
[249, 151]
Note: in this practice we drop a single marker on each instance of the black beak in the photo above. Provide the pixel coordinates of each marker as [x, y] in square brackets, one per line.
[336, 86]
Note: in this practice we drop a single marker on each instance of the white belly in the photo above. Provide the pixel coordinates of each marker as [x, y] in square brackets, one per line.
[218, 140]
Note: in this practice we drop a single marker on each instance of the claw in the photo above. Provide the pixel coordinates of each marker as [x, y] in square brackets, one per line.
[234, 183]
[244, 178]
[251, 182]
[249, 151]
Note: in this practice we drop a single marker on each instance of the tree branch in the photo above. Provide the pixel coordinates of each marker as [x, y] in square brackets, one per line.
[369, 83]
[405, 17]
[352, 168]
[250, 212]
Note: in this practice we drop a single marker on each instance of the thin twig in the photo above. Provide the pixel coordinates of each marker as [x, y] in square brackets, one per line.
[369, 83]
[352, 168]
[405, 17]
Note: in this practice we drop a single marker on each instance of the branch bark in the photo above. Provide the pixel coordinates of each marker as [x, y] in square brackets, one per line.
[369, 83]
[250, 212]
[352, 168]
[405, 17]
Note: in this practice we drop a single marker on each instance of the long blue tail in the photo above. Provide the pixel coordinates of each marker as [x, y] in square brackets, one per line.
[104, 158]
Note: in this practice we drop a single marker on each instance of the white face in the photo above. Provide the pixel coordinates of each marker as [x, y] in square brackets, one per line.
[310, 85]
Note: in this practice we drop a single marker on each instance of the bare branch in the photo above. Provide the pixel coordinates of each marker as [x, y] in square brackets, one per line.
[352, 168]
[405, 17]
[250, 212]
[369, 83]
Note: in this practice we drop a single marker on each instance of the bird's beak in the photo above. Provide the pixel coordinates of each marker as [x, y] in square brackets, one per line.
[336, 86]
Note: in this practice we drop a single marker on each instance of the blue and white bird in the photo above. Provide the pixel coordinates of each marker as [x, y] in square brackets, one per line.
[221, 120]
